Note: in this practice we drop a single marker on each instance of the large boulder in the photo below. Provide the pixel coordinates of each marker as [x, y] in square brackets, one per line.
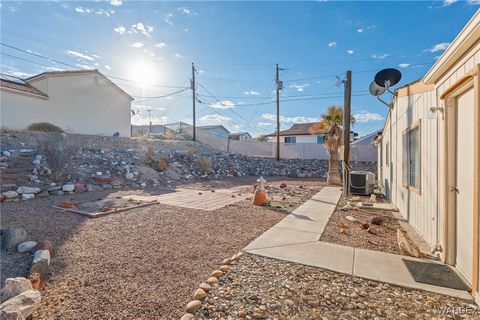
[13, 236]
[15, 286]
[21, 306]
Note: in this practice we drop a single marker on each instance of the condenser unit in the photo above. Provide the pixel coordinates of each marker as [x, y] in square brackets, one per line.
[362, 182]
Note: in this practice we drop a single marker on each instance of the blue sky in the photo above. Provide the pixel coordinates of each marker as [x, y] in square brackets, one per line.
[235, 46]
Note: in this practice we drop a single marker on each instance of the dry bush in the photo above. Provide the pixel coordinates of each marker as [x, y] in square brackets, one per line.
[204, 164]
[162, 164]
[58, 150]
[149, 149]
[44, 127]
[191, 151]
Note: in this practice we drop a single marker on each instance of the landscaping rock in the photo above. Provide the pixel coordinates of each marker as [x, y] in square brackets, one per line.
[129, 176]
[93, 187]
[377, 221]
[68, 187]
[45, 245]
[13, 236]
[15, 286]
[21, 306]
[199, 294]
[194, 306]
[187, 316]
[10, 194]
[212, 280]
[41, 267]
[40, 255]
[205, 287]
[217, 274]
[28, 196]
[26, 246]
[28, 190]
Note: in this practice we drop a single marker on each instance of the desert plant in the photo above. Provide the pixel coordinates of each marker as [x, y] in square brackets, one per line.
[262, 138]
[204, 164]
[58, 150]
[330, 125]
[44, 127]
[191, 151]
[162, 164]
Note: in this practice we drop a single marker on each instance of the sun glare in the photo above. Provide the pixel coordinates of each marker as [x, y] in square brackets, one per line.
[143, 72]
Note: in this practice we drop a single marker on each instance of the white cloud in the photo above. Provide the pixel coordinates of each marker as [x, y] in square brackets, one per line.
[120, 29]
[187, 11]
[143, 29]
[265, 124]
[167, 18]
[381, 56]
[332, 44]
[299, 87]
[438, 47]
[214, 119]
[116, 3]
[225, 104]
[366, 117]
[473, 2]
[360, 30]
[251, 93]
[404, 65]
[20, 74]
[283, 119]
[79, 55]
[107, 13]
[108, 67]
[350, 51]
[84, 66]
[178, 55]
[82, 10]
[448, 2]
[137, 45]
[160, 45]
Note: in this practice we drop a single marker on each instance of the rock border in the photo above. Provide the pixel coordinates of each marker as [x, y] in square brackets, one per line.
[205, 287]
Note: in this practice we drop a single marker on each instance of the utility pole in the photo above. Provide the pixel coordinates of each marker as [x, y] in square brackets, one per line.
[279, 85]
[193, 100]
[346, 132]
[150, 120]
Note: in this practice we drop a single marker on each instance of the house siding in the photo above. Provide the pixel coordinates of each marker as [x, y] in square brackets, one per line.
[76, 103]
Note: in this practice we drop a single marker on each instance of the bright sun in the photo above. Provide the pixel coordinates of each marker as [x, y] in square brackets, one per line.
[143, 72]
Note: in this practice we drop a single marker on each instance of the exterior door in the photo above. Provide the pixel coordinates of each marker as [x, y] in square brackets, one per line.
[464, 184]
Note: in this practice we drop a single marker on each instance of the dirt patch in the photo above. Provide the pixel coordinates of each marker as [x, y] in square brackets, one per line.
[263, 288]
[137, 264]
[382, 237]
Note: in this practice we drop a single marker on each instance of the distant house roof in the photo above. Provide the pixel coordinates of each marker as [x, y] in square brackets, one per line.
[239, 134]
[214, 127]
[298, 129]
[22, 87]
[75, 72]
[369, 138]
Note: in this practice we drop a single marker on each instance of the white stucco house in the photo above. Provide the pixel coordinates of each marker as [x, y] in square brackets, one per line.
[300, 133]
[83, 101]
[429, 154]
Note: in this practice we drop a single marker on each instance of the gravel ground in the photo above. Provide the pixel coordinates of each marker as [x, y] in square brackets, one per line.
[355, 235]
[137, 264]
[263, 288]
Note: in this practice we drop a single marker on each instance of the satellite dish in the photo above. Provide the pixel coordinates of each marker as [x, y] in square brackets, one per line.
[388, 77]
[376, 90]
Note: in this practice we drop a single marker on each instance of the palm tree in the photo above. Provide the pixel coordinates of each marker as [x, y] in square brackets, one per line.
[330, 125]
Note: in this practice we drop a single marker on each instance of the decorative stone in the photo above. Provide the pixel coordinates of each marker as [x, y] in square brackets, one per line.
[224, 268]
[43, 194]
[40, 255]
[45, 245]
[205, 287]
[15, 286]
[212, 280]
[199, 294]
[12, 237]
[10, 194]
[41, 267]
[26, 246]
[187, 316]
[93, 187]
[28, 190]
[242, 313]
[35, 280]
[20, 306]
[217, 274]
[129, 176]
[28, 196]
[68, 187]
[194, 306]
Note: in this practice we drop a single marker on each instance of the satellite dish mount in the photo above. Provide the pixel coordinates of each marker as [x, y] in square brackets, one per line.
[382, 82]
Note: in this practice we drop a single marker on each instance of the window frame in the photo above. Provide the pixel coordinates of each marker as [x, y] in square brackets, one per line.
[407, 133]
[290, 137]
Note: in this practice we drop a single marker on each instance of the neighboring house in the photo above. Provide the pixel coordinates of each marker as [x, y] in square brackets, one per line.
[240, 136]
[215, 130]
[85, 102]
[300, 133]
[364, 148]
[428, 152]
[145, 129]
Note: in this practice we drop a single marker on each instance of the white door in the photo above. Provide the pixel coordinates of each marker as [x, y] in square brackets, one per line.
[464, 185]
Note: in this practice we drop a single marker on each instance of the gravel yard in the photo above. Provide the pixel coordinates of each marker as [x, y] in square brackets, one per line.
[263, 288]
[141, 263]
[383, 238]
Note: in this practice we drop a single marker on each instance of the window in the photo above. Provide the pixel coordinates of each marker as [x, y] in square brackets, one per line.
[290, 139]
[387, 153]
[411, 158]
[320, 139]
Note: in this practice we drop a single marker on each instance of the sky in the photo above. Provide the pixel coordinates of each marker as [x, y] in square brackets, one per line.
[148, 47]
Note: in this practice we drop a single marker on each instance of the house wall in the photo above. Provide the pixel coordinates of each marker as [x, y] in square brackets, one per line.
[299, 138]
[422, 209]
[76, 103]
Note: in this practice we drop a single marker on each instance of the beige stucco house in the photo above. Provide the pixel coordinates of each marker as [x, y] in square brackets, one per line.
[428, 162]
[85, 102]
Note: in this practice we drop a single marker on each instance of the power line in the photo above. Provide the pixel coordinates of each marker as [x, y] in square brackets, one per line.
[162, 96]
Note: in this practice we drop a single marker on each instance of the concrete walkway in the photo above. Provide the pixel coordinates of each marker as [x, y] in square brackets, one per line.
[296, 239]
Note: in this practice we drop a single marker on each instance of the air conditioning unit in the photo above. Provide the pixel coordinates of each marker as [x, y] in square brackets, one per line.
[362, 182]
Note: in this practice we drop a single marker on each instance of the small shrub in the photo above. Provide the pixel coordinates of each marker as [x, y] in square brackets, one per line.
[162, 164]
[58, 150]
[204, 164]
[191, 151]
[44, 127]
